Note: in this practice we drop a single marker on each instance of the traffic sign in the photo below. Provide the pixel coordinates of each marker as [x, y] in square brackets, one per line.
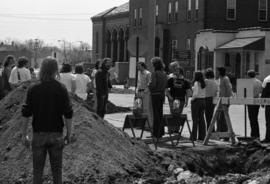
[132, 45]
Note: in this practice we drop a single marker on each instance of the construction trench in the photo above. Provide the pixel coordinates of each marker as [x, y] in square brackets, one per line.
[105, 154]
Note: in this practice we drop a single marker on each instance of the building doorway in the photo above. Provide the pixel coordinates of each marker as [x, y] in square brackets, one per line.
[157, 46]
[238, 65]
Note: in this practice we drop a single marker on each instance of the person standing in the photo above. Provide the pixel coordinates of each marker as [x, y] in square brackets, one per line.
[198, 107]
[20, 73]
[144, 77]
[47, 101]
[113, 74]
[8, 63]
[67, 78]
[93, 78]
[33, 74]
[253, 110]
[266, 94]
[157, 88]
[82, 82]
[179, 87]
[211, 91]
[103, 85]
[225, 90]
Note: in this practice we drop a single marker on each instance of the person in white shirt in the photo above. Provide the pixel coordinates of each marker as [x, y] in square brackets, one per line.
[198, 107]
[20, 73]
[142, 90]
[82, 82]
[67, 78]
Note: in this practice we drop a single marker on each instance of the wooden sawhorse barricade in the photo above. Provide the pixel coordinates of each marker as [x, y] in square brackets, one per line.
[132, 122]
[222, 107]
[216, 135]
[175, 125]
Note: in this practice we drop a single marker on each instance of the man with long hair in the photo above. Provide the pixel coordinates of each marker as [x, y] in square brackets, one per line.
[103, 86]
[157, 88]
[48, 102]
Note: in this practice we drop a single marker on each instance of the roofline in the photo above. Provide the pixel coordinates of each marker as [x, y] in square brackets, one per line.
[233, 31]
[102, 15]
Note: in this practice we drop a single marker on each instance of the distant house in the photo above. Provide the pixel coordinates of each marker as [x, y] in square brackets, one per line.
[238, 51]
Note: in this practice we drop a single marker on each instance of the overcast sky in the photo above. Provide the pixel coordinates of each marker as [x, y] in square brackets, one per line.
[51, 20]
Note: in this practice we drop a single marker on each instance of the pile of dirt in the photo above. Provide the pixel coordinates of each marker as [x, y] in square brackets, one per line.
[105, 154]
[100, 154]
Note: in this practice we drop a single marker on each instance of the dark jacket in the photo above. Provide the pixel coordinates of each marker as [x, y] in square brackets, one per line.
[47, 102]
[158, 82]
[266, 91]
[103, 83]
[5, 75]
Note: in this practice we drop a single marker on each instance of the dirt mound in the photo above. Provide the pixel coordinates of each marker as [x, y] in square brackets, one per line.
[101, 153]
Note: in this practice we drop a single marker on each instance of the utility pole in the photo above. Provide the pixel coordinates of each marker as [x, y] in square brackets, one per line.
[35, 51]
[65, 54]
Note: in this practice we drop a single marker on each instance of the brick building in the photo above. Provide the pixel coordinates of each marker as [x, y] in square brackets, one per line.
[110, 37]
[167, 28]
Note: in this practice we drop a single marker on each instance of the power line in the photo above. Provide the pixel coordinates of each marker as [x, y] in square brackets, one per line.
[43, 18]
[38, 14]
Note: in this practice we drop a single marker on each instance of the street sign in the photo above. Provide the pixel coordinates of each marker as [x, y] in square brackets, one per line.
[132, 45]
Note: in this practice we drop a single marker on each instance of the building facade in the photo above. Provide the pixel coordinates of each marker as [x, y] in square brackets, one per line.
[167, 28]
[237, 51]
[110, 38]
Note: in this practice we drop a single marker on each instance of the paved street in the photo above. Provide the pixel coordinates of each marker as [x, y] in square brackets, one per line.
[236, 114]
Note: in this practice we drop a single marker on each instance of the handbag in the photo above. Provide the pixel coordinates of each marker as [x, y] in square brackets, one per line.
[137, 106]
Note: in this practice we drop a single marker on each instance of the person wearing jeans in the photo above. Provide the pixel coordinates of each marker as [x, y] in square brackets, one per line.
[198, 107]
[53, 143]
[103, 85]
[253, 110]
[48, 102]
[157, 88]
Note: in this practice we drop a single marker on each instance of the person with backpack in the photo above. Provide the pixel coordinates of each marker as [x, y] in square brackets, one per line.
[20, 73]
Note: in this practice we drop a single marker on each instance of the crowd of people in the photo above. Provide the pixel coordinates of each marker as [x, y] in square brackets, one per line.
[12, 74]
[153, 87]
[54, 111]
